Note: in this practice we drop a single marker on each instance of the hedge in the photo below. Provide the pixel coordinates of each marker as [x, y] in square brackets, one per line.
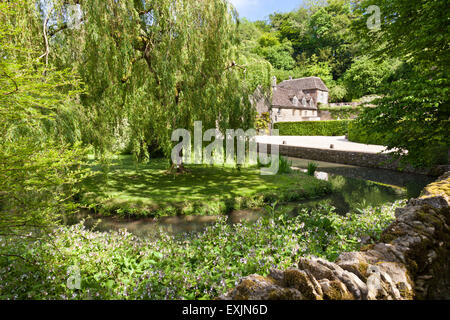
[357, 133]
[313, 128]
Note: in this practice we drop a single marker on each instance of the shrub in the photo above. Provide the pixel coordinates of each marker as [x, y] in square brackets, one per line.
[427, 156]
[285, 165]
[312, 167]
[357, 133]
[342, 112]
[313, 128]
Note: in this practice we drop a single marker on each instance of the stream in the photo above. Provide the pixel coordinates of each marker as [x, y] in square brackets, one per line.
[353, 188]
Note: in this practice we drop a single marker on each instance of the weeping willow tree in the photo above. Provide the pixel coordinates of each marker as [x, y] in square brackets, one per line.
[154, 65]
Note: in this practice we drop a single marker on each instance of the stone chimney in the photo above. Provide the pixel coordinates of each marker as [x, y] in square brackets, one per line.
[274, 83]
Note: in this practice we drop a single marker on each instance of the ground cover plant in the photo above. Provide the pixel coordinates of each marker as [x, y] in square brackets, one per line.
[139, 190]
[118, 265]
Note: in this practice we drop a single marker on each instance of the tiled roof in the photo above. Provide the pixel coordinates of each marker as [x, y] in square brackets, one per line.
[309, 83]
[282, 97]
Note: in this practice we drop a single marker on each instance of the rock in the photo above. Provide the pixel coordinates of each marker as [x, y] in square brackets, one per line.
[438, 202]
[255, 287]
[354, 262]
[334, 290]
[303, 282]
[318, 270]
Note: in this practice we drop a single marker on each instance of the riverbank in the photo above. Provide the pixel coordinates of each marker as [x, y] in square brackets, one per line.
[202, 263]
[352, 189]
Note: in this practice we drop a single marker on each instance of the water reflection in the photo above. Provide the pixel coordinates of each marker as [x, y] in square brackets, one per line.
[151, 228]
[357, 187]
[352, 194]
[412, 183]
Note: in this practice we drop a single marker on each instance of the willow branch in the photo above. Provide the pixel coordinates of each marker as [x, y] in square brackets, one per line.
[47, 48]
[235, 65]
[14, 82]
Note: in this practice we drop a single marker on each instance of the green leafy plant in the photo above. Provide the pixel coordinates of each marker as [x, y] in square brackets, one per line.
[312, 167]
[284, 165]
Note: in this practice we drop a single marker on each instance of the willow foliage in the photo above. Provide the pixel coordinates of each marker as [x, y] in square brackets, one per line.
[152, 67]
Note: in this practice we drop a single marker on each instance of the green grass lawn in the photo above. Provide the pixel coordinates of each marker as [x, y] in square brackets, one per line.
[129, 189]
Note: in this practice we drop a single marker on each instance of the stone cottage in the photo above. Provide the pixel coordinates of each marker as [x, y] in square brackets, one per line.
[297, 99]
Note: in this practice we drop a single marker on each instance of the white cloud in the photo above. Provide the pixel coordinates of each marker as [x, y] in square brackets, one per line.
[239, 4]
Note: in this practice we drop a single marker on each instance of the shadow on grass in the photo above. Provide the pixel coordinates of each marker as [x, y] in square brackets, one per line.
[148, 189]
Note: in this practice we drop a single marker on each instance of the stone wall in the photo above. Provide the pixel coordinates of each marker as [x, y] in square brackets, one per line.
[411, 262]
[293, 115]
[362, 159]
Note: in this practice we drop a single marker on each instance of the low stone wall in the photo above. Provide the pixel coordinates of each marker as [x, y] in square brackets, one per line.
[362, 159]
[411, 262]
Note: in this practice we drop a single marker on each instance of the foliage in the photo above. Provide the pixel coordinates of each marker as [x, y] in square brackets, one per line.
[358, 133]
[284, 165]
[315, 40]
[313, 128]
[342, 112]
[262, 121]
[201, 265]
[366, 76]
[430, 155]
[311, 169]
[157, 64]
[257, 71]
[279, 55]
[40, 166]
[414, 108]
[337, 93]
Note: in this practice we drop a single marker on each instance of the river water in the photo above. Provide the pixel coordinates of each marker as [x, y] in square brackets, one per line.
[353, 188]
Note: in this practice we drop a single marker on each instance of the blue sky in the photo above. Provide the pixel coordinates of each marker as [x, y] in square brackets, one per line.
[260, 9]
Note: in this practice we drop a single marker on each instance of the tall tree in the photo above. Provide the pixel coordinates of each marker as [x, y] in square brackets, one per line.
[39, 169]
[161, 65]
[415, 108]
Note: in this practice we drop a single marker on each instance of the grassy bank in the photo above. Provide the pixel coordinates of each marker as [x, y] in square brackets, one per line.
[128, 189]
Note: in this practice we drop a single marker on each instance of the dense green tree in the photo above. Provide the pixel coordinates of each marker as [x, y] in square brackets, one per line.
[40, 167]
[161, 65]
[415, 108]
[279, 55]
[367, 76]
